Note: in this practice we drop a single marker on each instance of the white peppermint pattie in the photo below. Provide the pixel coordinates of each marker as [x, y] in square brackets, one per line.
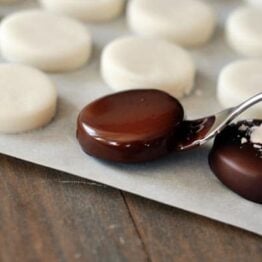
[47, 41]
[134, 62]
[86, 10]
[244, 31]
[186, 22]
[239, 81]
[27, 98]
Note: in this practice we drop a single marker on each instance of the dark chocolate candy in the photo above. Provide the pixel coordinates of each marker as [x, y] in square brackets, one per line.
[130, 126]
[237, 162]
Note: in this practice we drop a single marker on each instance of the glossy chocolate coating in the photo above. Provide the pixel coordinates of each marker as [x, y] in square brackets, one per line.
[192, 131]
[130, 126]
[237, 162]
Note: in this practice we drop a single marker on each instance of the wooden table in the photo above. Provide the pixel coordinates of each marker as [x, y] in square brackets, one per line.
[46, 215]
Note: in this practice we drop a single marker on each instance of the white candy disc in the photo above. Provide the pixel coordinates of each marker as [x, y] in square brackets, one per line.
[254, 2]
[44, 40]
[244, 31]
[96, 10]
[237, 82]
[27, 98]
[134, 63]
[187, 22]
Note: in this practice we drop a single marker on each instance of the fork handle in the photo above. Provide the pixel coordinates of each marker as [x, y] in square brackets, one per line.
[236, 111]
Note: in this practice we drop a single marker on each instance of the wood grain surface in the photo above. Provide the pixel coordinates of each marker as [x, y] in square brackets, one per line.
[47, 215]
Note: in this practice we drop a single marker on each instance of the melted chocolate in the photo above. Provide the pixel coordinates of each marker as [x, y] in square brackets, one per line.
[192, 131]
[131, 126]
[237, 162]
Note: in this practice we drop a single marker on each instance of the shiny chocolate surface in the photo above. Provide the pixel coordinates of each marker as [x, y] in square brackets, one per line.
[237, 161]
[130, 126]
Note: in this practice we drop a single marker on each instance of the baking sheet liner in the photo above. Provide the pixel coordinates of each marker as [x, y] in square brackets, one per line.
[181, 180]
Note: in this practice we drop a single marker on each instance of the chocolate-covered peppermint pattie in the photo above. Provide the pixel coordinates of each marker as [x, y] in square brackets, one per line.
[236, 158]
[131, 126]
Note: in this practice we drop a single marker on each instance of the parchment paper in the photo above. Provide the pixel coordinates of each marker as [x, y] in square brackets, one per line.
[181, 180]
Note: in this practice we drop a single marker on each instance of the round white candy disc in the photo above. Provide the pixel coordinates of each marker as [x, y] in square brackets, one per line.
[187, 22]
[244, 31]
[134, 62]
[94, 10]
[44, 40]
[27, 98]
[237, 82]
